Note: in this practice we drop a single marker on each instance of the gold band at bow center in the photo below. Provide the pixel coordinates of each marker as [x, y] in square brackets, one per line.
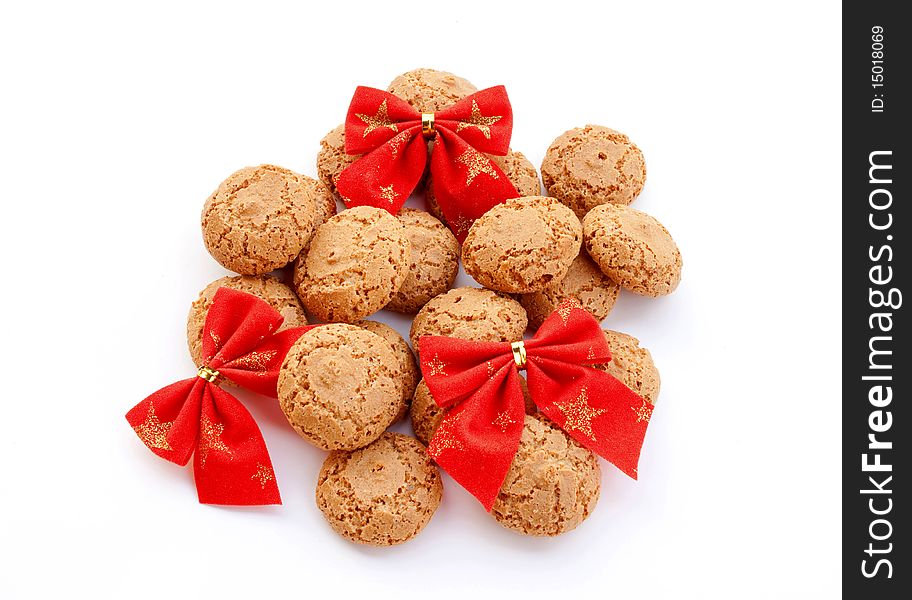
[427, 125]
[208, 374]
[519, 354]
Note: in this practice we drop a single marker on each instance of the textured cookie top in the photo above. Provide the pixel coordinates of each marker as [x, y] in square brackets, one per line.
[583, 281]
[259, 219]
[428, 90]
[356, 263]
[518, 169]
[382, 494]
[522, 245]
[633, 248]
[434, 261]
[339, 386]
[552, 485]
[268, 288]
[471, 314]
[632, 365]
[408, 367]
[332, 159]
[589, 166]
[324, 199]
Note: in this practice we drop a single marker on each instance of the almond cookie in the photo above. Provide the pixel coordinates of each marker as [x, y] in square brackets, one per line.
[383, 494]
[259, 219]
[518, 169]
[434, 261]
[356, 263]
[426, 415]
[632, 365]
[326, 202]
[471, 314]
[338, 386]
[332, 159]
[428, 90]
[552, 485]
[408, 368]
[266, 287]
[522, 245]
[584, 281]
[593, 165]
[633, 248]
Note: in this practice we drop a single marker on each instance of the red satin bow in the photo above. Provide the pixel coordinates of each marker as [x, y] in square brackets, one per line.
[232, 465]
[389, 132]
[479, 383]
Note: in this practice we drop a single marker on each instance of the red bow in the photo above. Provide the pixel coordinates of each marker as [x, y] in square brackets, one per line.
[392, 135]
[479, 383]
[232, 464]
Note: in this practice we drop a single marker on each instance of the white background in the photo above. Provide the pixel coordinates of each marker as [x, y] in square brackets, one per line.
[117, 122]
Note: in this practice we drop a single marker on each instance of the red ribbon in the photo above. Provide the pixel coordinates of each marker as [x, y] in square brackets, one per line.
[479, 383]
[392, 136]
[232, 465]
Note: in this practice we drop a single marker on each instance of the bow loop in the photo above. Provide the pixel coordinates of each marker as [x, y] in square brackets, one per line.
[484, 120]
[479, 383]
[374, 117]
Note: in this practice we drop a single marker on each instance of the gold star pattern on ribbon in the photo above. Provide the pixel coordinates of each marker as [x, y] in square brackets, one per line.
[477, 163]
[210, 439]
[153, 432]
[643, 412]
[590, 355]
[263, 475]
[256, 361]
[579, 414]
[490, 368]
[461, 225]
[395, 144]
[436, 366]
[388, 193]
[381, 119]
[567, 307]
[503, 421]
[478, 120]
[443, 438]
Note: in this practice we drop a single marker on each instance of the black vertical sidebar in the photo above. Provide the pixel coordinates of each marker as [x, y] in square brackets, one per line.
[876, 370]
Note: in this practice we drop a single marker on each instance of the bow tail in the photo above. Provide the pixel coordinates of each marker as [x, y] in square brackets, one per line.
[232, 464]
[594, 408]
[477, 439]
[166, 421]
[467, 184]
[385, 177]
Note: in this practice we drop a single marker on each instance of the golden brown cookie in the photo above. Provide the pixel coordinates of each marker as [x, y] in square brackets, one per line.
[355, 264]
[584, 281]
[522, 245]
[426, 415]
[326, 202]
[383, 494]
[552, 485]
[428, 90]
[266, 287]
[259, 219]
[408, 367]
[632, 365]
[593, 165]
[471, 314]
[332, 159]
[633, 248]
[339, 386]
[518, 169]
[434, 261]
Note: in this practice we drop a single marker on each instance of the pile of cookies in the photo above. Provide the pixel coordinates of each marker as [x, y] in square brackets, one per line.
[342, 385]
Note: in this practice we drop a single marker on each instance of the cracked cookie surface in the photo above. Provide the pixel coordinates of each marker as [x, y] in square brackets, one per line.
[338, 386]
[354, 265]
[584, 281]
[383, 494]
[434, 261]
[592, 165]
[553, 483]
[408, 367]
[332, 159]
[259, 219]
[632, 365]
[428, 90]
[522, 245]
[471, 314]
[633, 248]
